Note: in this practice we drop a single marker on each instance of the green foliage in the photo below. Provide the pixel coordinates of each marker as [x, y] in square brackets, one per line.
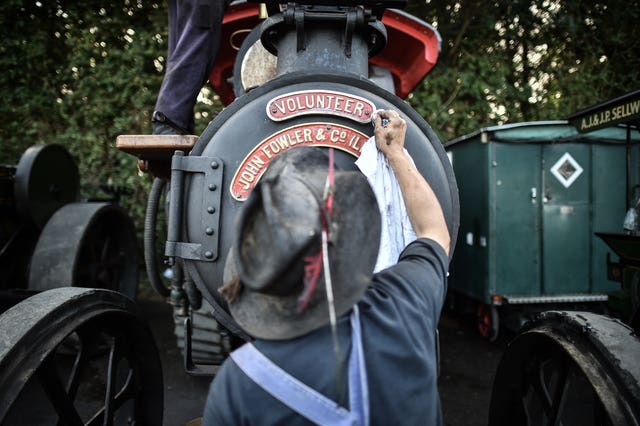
[516, 60]
[80, 74]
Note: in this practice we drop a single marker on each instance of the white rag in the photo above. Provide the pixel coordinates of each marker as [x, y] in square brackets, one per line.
[397, 231]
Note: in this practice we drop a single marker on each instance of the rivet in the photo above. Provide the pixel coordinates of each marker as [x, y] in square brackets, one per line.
[211, 209]
[212, 187]
[209, 230]
[214, 165]
[367, 112]
[273, 110]
[208, 254]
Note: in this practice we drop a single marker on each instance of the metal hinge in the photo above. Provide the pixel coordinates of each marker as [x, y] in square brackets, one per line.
[212, 168]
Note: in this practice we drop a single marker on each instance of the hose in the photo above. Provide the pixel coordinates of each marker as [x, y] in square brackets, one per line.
[150, 258]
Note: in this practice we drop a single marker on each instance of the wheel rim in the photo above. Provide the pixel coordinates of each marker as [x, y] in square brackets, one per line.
[91, 360]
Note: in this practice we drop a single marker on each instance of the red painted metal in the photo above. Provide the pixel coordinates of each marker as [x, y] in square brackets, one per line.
[412, 50]
[238, 20]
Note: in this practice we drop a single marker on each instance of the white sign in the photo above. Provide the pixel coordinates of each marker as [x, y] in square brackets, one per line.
[566, 170]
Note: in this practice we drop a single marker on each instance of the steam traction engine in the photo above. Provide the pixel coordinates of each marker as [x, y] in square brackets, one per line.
[312, 73]
[334, 67]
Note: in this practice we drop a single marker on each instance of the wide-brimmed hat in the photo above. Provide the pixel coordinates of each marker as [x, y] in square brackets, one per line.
[279, 229]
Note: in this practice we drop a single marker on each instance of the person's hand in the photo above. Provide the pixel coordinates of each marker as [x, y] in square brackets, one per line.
[389, 131]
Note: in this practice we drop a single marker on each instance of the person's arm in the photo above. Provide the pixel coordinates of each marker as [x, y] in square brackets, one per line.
[423, 207]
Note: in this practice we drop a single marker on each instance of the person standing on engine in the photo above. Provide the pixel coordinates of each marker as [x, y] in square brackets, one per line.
[333, 344]
[194, 39]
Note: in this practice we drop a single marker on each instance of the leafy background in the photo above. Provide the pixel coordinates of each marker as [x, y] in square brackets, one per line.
[82, 73]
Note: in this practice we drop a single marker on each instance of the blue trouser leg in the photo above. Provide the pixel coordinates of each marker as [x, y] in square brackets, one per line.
[194, 39]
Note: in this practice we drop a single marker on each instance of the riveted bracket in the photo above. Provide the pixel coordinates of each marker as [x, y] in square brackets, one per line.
[212, 168]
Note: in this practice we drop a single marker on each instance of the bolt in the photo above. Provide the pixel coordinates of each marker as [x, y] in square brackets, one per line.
[214, 165]
[209, 230]
[212, 187]
[208, 254]
[211, 210]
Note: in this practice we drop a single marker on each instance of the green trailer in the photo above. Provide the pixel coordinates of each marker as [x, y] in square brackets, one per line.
[532, 195]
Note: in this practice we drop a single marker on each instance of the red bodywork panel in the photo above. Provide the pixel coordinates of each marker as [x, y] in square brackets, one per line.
[411, 52]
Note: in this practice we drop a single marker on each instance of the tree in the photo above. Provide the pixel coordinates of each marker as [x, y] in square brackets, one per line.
[509, 61]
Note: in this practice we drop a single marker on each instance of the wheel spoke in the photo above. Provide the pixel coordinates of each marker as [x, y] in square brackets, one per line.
[113, 400]
[112, 376]
[47, 373]
[85, 340]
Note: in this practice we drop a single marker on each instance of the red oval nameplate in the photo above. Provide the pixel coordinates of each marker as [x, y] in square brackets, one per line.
[315, 134]
[308, 102]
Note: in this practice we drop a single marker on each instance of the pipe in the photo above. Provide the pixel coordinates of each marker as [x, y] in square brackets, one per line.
[150, 257]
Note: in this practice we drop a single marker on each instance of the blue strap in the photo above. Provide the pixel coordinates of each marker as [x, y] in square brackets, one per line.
[358, 384]
[303, 399]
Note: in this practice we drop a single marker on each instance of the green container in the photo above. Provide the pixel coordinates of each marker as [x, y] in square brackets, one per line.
[531, 197]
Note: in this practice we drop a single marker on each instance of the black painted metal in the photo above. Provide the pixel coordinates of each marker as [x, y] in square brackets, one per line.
[307, 38]
[377, 6]
[244, 124]
[46, 179]
[191, 367]
[60, 345]
[570, 368]
[87, 245]
[211, 169]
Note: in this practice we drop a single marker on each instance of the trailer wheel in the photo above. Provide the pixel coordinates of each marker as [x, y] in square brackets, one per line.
[82, 356]
[87, 244]
[570, 368]
[488, 321]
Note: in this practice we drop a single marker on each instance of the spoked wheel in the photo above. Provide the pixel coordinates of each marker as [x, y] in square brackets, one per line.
[488, 321]
[81, 356]
[86, 244]
[569, 369]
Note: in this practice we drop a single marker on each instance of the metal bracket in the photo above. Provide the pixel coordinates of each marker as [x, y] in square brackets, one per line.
[212, 168]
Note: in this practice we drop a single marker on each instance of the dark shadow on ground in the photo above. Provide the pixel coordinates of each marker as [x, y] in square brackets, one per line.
[468, 363]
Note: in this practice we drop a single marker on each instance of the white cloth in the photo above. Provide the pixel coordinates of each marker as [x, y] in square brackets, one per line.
[397, 231]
